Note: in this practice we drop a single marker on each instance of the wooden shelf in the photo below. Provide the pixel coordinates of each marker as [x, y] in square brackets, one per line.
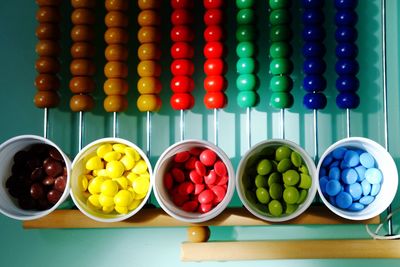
[292, 249]
[156, 217]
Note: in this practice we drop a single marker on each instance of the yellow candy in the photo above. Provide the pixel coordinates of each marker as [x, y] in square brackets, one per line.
[140, 167]
[115, 169]
[95, 185]
[101, 172]
[106, 201]
[94, 163]
[128, 162]
[119, 148]
[109, 188]
[140, 196]
[134, 204]
[123, 198]
[122, 182]
[91, 206]
[83, 182]
[132, 176]
[133, 153]
[111, 156]
[108, 209]
[103, 149]
[89, 177]
[145, 175]
[94, 200]
[121, 210]
[141, 185]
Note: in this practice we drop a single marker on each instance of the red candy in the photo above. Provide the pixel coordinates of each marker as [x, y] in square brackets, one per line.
[168, 181]
[219, 193]
[198, 188]
[178, 175]
[200, 168]
[195, 177]
[190, 163]
[190, 206]
[186, 188]
[219, 168]
[208, 157]
[205, 207]
[182, 156]
[207, 196]
[211, 178]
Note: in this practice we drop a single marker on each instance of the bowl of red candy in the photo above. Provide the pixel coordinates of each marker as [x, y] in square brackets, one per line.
[34, 177]
[194, 181]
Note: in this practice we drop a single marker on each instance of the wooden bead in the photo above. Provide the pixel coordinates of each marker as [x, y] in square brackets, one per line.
[83, 16]
[115, 103]
[83, 3]
[197, 234]
[46, 99]
[81, 103]
[82, 85]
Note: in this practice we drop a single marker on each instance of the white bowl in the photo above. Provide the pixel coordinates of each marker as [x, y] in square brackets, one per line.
[251, 156]
[162, 195]
[78, 168]
[8, 204]
[389, 184]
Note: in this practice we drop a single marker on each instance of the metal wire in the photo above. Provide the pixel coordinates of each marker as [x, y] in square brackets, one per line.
[45, 122]
[148, 134]
[283, 123]
[115, 122]
[216, 126]
[182, 124]
[348, 123]
[80, 131]
[248, 113]
[316, 152]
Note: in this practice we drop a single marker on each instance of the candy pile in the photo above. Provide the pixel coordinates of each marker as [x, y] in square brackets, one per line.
[197, 180]
[349, 178]
[38, 177]
[277, 181]
[117, 179]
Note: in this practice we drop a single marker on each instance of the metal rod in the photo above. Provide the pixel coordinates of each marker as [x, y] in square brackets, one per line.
[148, 132]
[248, 112]
[348, 123]
[182, 124]
[385, 99]
[316, 152]
[283, 123]
[216, 126]
[115, 122]
[80, 130]
[45, 122]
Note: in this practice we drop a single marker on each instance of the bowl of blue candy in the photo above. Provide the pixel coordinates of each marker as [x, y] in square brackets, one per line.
[358, 178]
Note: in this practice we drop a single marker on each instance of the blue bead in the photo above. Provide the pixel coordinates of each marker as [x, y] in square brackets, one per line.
[314, 83]
[346, 34]
[346, 50]
[349, 176]
[322, 184]
[347, 67]
[314, 101]
[311, 49]
[367, 160]
[338, 153]
[347, 83]
[346, 17]
[366, 200]
[314, 66]
[361, 173]
[373, 176]
[313, 33]
[355, 206]
[343, 200]
[327, 160]
[348, 4]
[334, 173]
[347, 100]
[366, 187]
[351, 158]
[312, 3]
[375, 188]
[313, 16]
[333, 187]
[355, 190]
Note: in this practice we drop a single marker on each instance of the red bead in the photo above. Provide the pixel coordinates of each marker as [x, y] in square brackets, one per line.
[215, 83]
[182, 84]
[182, 34]
[213, 50]
[215, 100]
[182, 101]
[213, 17]
[213, 4]
[177, 4]
[213, 33]
[214, 66]
[207, 196]
[181, 17]
[182, 50]
[182, 67]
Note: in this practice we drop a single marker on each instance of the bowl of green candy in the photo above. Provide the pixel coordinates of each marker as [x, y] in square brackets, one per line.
[276, 180]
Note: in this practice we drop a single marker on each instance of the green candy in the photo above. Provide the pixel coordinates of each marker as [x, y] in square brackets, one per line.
[261, 181]
[251, 196]
[275, 191]
[280, 66]
[305, 181]
[240, 4]
[274, 177]
[282, 152]
[245, 33]
[262, 208]
[245, 49]
[264, 167]
[275, 208]
[246, 82]
[280, 33]
[291, 195]
[278, 4]
[245, 16]
[280, 50]
[290, 208]
[262, 195]
[281, 100]
[281, 84]
[279, 16]
[296, 159]
[245, 65]
[291, 177]
[303, 169]
[302, 197]
[247, 99]
[284, 165]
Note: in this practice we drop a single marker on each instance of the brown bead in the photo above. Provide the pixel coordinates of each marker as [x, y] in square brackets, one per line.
[82, 33]
[149, 4]
[116, 19]
[48, 14]
[82, 50]
[48, 2]
[83, 16]
[116, 52]
[198, 234]
[81, 103]
[116, 69]
[115, 87]
[117, 5]
[116, 36]
[46, 99]
[115, 103]
[47, 31]
[148, 17]
[82, 67]
[82, 85]
[83, 3]
[47, 82]
[47, 65]
[47, 48]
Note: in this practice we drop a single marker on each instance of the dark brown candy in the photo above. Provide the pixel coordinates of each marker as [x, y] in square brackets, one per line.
[37, 174]
[27, 203]
[48, 181]
[33, 163]
[40, 151]
[43, 204]
[53, 167]
[21, 156]
[55, 154]
[37, 191]
[60, 183]
[53, 196]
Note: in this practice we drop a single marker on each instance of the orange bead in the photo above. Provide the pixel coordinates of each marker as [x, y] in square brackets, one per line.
[48, 48]
[115, 5]
[149, 51]
[83, 16]
[149, 68]
[148, 18]
[83, 3]
[48, 14]
[116, 53]
[82, 67]
[148, 102]
[149, 4]
[82, 50]
[48, 2]
[149, 35]
[198, 234]
[115, 103]
[149, 85]
[115, 87]
[47, 65]
[79, 103]
[116, 69]
[82, 84]
[47, 82]
[46, 99]
[116, 36]
[116, 19]
[46, 31]
[82, 33]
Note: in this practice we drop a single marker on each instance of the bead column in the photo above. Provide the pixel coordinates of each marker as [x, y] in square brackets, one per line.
[280, 51]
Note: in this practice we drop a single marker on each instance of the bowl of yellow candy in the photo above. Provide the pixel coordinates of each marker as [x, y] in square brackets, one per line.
[110, 180]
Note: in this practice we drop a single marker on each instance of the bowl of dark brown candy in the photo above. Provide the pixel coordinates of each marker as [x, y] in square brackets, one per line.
[34, 175]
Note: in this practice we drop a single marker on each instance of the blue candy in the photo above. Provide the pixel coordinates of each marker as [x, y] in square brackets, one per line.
[338, 153]
[375, 188]
[361, 173]
[322, 172]
[344, 165]
[355, 190]
[333, 187]
[343, 200]
[349, 176]
[334, 173]
[334, 164]
[351, 158]
[356, 206]
[373, 175]
[366, 187]
[332, 200]
[366, 200]
[322, 184]
[367, 160]
[328, 159]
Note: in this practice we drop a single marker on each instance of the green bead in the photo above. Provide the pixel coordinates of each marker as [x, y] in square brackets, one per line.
[291, 195]
[291, 177]
[264, 167]
[262, 195]
[245, 16]
[280, 66]
[246, 65]
[279, 16]
[283, 152]
[245, 33]
[281, 100]
[280, 33]
[281, 84]
[247, 99]
[246, 82]
[280, 50]
[245, 49]
[275, 191]
[240, 4]
[278, 4]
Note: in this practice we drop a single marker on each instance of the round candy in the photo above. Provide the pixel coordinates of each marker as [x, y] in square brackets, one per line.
[314, 83]
[313, 49]
[347, 83]
[281, 83]
[247, 99]
[373, 176]
[347, 100]
[332, 188]
[208, 157]
[245, 49]
[291, 195]
[367, 160]
[366, 200]
[281, 100]
[262, 195]
[355, 206]
[334, 173]
[264, 167]
[275, 208]
[351, 158]
[315, 101]
[343, 200]
[375, 188]
[349, 176]
[246, 82]
[355, 190]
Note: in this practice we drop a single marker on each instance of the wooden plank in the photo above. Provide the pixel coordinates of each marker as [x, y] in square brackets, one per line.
[158, 218]
[293, 249]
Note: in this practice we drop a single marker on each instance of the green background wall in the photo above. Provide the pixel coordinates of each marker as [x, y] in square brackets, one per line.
[161, 246]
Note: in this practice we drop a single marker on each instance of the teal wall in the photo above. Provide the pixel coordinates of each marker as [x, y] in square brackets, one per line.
[161, 246]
